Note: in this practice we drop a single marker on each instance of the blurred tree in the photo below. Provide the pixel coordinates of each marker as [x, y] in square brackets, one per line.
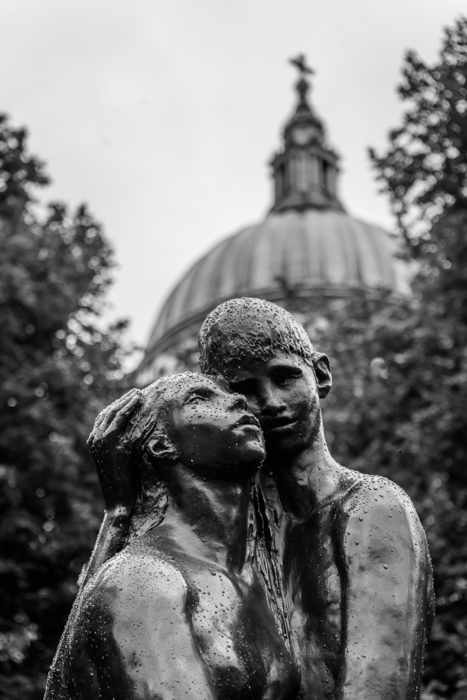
[58, 367]
[424, 172]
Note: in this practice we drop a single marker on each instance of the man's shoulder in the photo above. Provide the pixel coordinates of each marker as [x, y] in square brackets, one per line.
[363, 498]
[375, 508]
[353, 489]
[374, 492]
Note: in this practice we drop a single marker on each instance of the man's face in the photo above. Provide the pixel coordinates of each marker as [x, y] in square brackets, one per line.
[282, 393]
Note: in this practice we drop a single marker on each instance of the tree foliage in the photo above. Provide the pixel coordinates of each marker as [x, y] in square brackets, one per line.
[424, 172]
[425, 168]
[58, 366]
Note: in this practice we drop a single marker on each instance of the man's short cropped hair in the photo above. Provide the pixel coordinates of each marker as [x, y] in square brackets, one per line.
[248, 329]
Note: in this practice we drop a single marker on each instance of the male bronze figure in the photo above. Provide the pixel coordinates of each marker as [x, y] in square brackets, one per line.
[355, 567]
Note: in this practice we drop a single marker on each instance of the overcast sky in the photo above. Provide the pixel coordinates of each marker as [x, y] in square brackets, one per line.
[162, 114]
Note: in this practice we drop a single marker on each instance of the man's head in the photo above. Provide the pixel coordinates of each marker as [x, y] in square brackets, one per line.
[265, 354]
[247, 329]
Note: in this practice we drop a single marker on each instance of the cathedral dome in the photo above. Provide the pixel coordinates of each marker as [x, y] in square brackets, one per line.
[307, 246]
[304, 252]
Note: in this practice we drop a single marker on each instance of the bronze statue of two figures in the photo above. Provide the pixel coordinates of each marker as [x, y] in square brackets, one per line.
[237, 559]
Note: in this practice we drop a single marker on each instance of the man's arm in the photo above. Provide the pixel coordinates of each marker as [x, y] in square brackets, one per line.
[133, 634]
[388, 593]
[118, 485]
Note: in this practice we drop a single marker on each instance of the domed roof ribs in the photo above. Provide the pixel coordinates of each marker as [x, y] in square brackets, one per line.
[305, 170]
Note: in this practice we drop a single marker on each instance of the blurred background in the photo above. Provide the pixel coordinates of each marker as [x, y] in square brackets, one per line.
[134, 138]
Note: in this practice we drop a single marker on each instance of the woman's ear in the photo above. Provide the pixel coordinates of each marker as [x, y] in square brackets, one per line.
[322, 367]
[160, 447]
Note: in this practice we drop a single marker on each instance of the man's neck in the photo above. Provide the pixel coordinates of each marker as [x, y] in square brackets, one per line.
[209, 516]
[306, 478]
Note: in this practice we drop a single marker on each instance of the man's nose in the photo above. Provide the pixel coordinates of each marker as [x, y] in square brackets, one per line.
[271, 400]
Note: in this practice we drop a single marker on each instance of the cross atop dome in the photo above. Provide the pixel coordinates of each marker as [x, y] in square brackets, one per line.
[303, 84]
[300, 63]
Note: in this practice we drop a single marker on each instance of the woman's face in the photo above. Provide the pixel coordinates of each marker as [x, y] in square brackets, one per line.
[212, 428]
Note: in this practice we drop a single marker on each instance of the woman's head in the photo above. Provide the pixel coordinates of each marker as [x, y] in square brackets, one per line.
[195, 420]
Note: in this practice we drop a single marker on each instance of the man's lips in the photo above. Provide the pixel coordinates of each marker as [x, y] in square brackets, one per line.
[279, 424]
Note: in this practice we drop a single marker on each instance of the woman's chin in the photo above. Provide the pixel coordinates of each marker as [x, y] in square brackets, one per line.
[250, 460]
[256, 450]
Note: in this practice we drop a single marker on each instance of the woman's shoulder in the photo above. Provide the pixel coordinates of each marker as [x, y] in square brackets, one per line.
[136, 573]
[134, 598]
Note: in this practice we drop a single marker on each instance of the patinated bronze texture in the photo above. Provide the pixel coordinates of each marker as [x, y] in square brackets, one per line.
[212, 578]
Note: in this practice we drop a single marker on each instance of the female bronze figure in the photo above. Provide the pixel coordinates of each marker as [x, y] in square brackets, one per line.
[181, 612]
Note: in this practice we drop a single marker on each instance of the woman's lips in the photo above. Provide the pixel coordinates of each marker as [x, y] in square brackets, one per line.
[248, 421]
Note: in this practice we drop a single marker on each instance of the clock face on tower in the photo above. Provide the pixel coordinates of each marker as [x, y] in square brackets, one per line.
[301, 135]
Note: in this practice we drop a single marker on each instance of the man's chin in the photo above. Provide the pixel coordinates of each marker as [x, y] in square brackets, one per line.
[283, 443]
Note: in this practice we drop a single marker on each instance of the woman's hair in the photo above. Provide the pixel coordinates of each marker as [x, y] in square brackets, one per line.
[149, 421]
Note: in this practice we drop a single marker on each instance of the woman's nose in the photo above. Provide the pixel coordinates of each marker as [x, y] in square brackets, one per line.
[238, 401]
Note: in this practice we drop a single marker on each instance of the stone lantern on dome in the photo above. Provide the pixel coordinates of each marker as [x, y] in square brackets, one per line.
[307, 248]
[305, 170]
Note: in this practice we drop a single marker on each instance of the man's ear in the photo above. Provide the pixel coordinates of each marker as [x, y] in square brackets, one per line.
[322, 367]
[160, 447]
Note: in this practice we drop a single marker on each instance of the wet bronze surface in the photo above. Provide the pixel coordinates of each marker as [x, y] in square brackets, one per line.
[218, 576]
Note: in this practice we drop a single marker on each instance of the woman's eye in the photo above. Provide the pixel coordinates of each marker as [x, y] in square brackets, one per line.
[196, 398]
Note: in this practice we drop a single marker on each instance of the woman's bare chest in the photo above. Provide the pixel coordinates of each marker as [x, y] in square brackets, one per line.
[237, 637]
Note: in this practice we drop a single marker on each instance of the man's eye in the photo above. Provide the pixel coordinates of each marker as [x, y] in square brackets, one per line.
[284, 379]
[281, 379]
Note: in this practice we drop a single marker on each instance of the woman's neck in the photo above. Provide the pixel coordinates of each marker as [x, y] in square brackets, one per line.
[209, 516]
